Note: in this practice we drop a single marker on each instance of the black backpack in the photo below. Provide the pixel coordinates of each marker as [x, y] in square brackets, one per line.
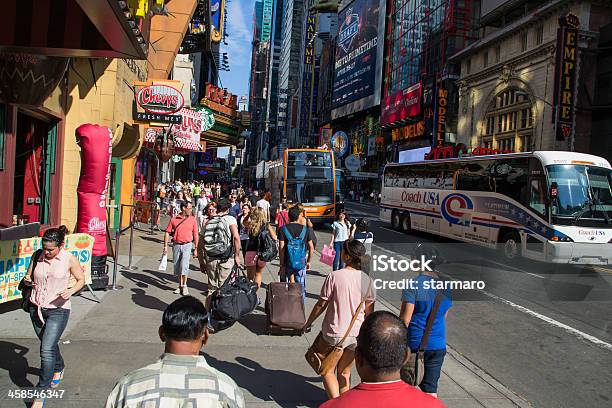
[267, 246]
[235, 298]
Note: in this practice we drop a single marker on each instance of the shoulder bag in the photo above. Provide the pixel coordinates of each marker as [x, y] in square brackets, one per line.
[414, 370]
[322, 356]
[25, 287]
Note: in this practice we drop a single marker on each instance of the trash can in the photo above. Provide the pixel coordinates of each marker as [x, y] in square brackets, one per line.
[99, 272]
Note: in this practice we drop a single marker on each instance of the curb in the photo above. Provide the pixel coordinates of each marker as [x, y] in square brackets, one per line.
[516, 399]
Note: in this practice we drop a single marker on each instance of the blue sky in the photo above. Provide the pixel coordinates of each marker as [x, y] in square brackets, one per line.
[240, 29]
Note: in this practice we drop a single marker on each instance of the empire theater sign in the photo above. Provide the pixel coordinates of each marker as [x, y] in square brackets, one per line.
[565, 78]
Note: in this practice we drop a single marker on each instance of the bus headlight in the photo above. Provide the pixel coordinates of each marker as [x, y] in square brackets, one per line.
[564, 238]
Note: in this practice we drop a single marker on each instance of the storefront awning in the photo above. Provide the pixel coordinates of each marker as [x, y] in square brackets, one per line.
[71, 28]
[182, 145]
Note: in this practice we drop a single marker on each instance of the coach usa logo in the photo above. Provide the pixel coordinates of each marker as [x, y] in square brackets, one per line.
[457, 209]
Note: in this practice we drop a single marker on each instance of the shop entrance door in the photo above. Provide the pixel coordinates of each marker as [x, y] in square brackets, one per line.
[35, 154]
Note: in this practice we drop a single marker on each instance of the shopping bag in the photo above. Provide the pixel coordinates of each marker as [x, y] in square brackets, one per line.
[250, 258]
[327, 255]
[163, 263]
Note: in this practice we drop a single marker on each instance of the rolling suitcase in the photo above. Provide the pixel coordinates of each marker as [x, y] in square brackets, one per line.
[285, 308]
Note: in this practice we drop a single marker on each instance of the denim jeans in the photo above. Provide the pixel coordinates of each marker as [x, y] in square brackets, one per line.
[433, 367]
[49, 333]
[300, 277]
[338, 264]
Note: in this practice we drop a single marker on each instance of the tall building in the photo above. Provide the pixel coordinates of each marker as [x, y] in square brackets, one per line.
[420, 97]
[289, 68]
[316, 31]
[356, 83]
[257, 89]
[272, 85]
[528, 82]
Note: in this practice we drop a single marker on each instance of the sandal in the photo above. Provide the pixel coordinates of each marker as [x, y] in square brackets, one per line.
[55, 381]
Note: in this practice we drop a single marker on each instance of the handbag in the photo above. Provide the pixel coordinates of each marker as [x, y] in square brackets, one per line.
[414, 370]
[327, 255]
[26, 288]
[235, 298]
[322, 356]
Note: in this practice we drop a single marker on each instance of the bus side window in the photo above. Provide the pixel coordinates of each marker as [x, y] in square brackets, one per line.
[537, 196]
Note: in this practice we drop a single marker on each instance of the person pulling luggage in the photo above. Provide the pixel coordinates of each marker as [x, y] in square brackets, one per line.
[295, 249]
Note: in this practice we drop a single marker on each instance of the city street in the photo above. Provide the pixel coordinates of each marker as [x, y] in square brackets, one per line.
[543, 331]
[105, 341]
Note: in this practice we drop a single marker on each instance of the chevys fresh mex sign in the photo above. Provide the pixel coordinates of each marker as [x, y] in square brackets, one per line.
[161, 99]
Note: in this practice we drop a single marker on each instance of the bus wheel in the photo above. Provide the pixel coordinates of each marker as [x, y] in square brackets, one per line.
[406, 226]
[511, 245]
[396, 221]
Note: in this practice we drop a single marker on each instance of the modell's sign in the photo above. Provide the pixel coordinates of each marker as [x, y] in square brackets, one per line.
[402, 104]
[441, 117]
[565, 79]
[160, 99]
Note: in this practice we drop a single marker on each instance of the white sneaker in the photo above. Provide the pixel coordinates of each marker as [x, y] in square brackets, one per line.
[185, 291]
[177, 291]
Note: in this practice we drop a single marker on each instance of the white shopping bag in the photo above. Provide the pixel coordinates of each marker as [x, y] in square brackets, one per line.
[163, 263]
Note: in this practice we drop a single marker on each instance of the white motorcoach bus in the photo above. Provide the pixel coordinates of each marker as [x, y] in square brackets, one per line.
[549, 206]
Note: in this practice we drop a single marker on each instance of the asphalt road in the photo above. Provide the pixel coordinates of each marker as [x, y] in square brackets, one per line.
[544, 331]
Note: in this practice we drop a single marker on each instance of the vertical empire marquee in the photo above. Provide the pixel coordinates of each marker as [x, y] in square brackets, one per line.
[308, 79]
[565, 76]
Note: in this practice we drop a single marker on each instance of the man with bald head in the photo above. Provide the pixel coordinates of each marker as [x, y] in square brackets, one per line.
[382, 349]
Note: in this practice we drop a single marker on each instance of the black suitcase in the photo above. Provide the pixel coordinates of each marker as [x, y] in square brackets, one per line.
[285, 308]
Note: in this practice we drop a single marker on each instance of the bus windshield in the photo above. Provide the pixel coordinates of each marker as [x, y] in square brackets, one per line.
[309, 165]
[582, 191]
[312, 192]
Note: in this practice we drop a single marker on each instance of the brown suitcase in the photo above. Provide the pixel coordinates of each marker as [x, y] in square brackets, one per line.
[285, 308]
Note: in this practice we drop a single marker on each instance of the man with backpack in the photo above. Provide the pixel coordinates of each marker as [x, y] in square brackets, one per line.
[221, 247]
[184, 232]
[296, 249]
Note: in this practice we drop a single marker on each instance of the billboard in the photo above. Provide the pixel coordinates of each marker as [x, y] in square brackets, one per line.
[402, 104]
[358, 60]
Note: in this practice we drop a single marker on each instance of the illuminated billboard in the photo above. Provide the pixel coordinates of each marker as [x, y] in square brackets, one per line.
[359, 55]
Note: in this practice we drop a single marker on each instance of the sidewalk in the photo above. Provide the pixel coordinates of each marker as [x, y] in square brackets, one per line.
[104, 341]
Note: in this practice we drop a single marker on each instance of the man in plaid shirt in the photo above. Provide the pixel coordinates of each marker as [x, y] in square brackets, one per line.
[181, 378]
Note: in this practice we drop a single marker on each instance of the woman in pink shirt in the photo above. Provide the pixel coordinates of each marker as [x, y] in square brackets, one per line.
[50, 302]
[341, 294]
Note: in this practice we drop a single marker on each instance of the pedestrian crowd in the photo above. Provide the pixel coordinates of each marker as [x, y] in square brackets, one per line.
[398, 358]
